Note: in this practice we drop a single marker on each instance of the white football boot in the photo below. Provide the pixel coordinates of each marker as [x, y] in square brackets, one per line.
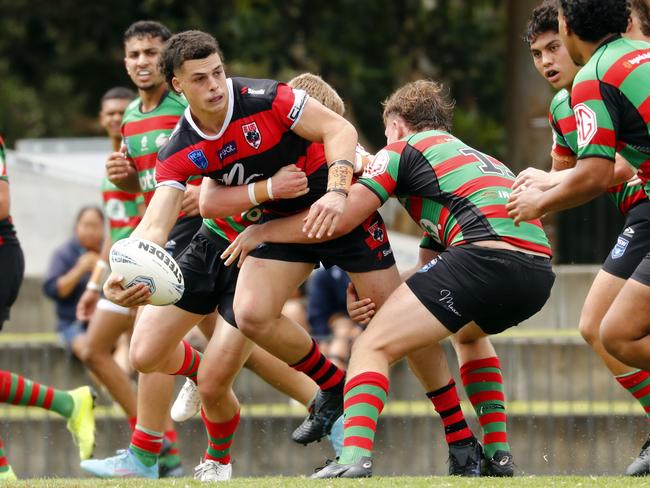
[209, 470]
[187, 403]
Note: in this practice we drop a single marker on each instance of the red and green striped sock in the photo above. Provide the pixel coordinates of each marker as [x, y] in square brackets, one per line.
[365, 396]
[172, 456]
[638, 384]
[146, 445]
[446, 402]
[320, 369]
[4, 464]
[191, 362]
[19, 390]
[220, 437]
[483, 382]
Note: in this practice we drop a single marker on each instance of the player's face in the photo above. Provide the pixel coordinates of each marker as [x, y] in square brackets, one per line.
[141, 60]
[90, 230]
[552, 60]
[568, 39]
[110, 116]
[203, 82]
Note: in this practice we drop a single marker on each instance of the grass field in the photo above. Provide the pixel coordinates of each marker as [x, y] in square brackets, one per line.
[299, 482]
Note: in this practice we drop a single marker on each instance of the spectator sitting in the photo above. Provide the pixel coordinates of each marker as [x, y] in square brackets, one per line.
[69, 271]
[328, 315]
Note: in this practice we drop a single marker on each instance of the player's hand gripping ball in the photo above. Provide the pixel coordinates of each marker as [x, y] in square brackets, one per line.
[142, 261]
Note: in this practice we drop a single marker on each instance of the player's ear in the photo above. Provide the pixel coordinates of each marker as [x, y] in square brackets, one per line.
[176, 85]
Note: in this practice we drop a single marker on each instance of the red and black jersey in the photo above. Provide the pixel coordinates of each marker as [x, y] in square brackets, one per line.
[255, 141]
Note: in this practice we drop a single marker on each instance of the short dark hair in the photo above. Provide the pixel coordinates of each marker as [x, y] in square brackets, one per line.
[592, 20]
[423, 104]
[118, 92]
[147, 28]
[89, 208]
[642, 10]
[186, 46]
[542, 19]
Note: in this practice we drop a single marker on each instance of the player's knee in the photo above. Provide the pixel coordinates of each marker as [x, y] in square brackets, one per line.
[589, 329]
[212, 392]
[141, 358]
[611, 340]
[251, 320]
[367, 343]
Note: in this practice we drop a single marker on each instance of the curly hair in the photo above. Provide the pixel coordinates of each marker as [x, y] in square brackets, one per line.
[320, 90]
[642, 10]
[592, 20]
[423, 104]
[147, 28]
[542, 19]
[186, 46]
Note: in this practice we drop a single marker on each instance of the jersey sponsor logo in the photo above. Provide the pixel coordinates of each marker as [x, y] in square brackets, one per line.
[161, 140]
[116, 210]
[228, 149]
[252, 91]
[252, 135]
[198, 158]
[378, 165]
[431, 229]
[629, 231]
[376, 231]
[237, 176]
[147, 180]
[641, 58]
[300, 98]
[619, 248]
[587, 123]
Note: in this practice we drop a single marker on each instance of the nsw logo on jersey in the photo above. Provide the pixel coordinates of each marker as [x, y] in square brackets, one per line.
[586, 122]
[198, 158]
[619, 248]
[252, 135]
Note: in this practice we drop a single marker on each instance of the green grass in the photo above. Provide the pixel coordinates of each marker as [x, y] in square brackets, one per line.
[402, 481]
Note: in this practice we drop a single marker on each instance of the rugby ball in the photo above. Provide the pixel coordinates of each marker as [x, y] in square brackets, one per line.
[142, 261]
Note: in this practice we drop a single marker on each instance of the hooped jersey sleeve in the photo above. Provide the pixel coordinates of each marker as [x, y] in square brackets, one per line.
[380, 175]
[289, 104]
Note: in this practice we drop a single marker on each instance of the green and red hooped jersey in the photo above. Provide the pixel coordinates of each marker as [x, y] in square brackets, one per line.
[144, 134]
[611, 102]
[121, 209]
[7, 231]
[565, 144]
[454, 192]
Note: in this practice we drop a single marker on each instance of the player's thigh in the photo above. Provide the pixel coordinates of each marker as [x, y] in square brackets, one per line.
[602, 293]
[105, 328]
[264, 285]
[158, 330]
[628, 318]
[377, 285]
[207, 325]
[402, 325]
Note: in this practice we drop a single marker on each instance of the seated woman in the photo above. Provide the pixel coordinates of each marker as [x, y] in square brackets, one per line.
[69, 271]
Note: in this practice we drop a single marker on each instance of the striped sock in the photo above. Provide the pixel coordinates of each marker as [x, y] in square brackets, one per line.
[365, 395]
[220, 437]
[446, 402]
[132, 422]
[172, 456]
[483, 383]
[638, 384]
[146, 445]
[4, 464]
[18, 390]
[320, 369]
[191, 361]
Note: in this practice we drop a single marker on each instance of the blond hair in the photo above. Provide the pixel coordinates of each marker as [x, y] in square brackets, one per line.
[423, 104]
[320, 90]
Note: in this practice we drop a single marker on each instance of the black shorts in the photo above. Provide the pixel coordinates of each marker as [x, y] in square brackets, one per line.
[209, 283]
[632, 244]
[181, 234]
[12, 264]
[496, 288]
[365, 248]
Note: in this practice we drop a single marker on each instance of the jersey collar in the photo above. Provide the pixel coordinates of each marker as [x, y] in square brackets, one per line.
[609, 39]
[226, 122]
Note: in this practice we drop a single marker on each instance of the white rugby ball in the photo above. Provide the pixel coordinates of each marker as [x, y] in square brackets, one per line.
[142, 261]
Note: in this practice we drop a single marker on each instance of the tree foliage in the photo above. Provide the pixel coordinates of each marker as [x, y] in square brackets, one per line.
[57, 58]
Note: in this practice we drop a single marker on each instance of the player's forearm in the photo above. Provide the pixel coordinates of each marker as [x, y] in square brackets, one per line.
[288, 230]
[575, 189]
[130, 184]
[161, 215]
[219, 201]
